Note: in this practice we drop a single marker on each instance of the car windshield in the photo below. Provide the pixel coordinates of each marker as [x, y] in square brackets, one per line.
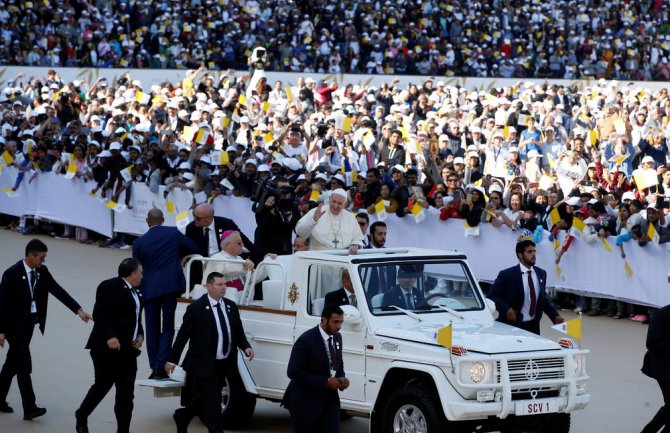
[422, 287]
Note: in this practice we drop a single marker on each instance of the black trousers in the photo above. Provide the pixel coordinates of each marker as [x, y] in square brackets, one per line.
[19, 363]
[531, 326]
[205, 397]
[662, 417]
[326, 420]
[112, 368]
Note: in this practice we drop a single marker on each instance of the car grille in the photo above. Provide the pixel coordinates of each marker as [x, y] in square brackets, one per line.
[521, 370]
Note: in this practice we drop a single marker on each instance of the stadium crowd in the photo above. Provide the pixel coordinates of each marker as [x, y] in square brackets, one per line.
[527, 158]
[617, 39]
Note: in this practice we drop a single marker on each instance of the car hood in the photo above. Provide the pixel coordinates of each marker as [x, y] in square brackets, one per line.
[486, 338]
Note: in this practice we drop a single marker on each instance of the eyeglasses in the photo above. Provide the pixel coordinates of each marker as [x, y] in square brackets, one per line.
[452, 180]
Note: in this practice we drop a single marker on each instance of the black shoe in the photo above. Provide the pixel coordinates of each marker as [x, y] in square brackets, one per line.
[81, 425]
[182, 425]
[5, 408]
[159, 375]
[34, 413]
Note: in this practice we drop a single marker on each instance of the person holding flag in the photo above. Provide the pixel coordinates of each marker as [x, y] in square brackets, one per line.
[519, 292]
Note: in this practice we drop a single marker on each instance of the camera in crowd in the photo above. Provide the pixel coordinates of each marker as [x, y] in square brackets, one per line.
[259, 58]
[265, 189]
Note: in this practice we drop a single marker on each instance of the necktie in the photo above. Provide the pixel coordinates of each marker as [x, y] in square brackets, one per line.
[333, 354]
[382, 280]
[222, 329]
[352, 300]
[32, 283]
[531, 287]
[408, 301]
[207, 241]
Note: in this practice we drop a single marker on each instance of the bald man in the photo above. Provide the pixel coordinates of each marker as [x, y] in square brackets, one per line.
[160, 251]
[206, 230]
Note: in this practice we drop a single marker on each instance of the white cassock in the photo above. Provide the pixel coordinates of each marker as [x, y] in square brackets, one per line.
[229, 270]
[330, 231]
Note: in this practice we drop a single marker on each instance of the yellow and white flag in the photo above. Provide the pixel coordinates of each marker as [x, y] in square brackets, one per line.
[653, 234]
[445, 336]
[71, 170]
[380, 210]
[418, 212]
[573, 328]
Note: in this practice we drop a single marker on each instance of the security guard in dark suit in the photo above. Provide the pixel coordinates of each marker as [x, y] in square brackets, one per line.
[24, 293]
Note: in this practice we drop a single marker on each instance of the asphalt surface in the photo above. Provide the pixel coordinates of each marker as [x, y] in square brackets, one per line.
[623, 399]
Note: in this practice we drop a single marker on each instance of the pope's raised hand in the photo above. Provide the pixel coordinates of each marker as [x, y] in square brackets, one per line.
[319, 212]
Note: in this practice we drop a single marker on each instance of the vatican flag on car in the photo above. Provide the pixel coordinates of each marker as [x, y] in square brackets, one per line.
[445, 336]
[573, 328]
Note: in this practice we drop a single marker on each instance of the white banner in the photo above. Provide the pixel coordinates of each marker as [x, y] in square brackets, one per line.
[585, 267]
[133, 220]
[149, 77]
[53, 197]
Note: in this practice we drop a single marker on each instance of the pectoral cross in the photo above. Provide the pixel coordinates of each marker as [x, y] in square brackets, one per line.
[335, 241]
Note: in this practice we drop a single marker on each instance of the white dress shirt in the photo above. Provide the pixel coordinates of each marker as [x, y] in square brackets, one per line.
[219, 343]
[137, 307]
[525, 310]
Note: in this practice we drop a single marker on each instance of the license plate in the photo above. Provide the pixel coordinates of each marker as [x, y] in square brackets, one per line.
[535, 407]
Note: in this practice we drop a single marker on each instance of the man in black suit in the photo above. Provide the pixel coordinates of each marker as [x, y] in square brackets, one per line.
[213, 329]
[316, 371]
[344, 295]
[520, 292]
[115, 344]
[405, 294]
[160, 251]
[657, 365]
[24, 293]
[206, 231]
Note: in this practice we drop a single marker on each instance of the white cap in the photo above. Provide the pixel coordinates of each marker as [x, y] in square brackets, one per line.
[322, 177]
[399, 168]
[244, 119]
[115, 146]
[532, 154]
[647, 159]
[340, 178]
[251, 161]
[459, 160]
[184, 166]
[628, 195]
[573, 201]
[263, 168]
[340, 192]
[104, 154]
[513, 149]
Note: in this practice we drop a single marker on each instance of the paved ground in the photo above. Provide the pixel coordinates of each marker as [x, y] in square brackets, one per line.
[622, 398]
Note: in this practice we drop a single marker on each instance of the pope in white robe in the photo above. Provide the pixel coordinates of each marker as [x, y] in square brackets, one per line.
[333, 227]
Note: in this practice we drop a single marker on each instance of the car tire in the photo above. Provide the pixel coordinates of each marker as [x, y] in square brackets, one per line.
[415, 409]
[237, 405]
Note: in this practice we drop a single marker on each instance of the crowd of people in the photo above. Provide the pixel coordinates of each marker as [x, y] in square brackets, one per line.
[615, 40]
[528, 158]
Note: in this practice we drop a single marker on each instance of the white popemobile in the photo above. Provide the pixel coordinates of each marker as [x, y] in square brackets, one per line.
[494, 378]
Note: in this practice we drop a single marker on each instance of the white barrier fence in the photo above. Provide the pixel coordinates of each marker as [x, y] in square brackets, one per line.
[585, 267]
[149, 77]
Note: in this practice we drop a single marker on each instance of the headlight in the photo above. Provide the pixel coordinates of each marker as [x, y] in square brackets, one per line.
[578, 365]
[476, 372]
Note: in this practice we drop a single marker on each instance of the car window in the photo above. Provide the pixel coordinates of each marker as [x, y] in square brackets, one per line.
[420, 287]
